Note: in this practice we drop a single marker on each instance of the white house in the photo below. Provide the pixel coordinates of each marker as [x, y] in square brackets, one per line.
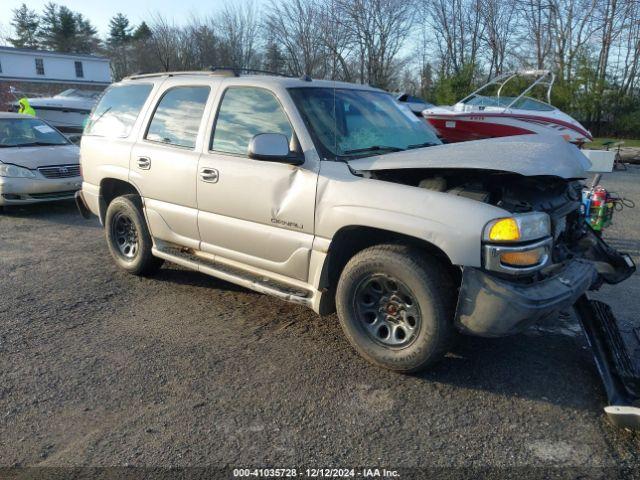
[48, 73]
[51, 67]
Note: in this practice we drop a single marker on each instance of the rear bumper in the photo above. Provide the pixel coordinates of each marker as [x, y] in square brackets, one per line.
[20, 191]
[490, 306]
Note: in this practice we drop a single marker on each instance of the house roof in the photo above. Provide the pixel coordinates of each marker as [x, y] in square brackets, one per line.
[48, 53]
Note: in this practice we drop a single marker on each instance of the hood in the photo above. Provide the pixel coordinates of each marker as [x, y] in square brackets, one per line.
[35, 157]
[528, 155]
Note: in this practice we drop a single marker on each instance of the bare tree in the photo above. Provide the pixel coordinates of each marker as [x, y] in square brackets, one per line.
[379, 29]
[535, 21]
[500, 22]
[295, 25]
[573, 26]
[238, 29]
[457, 27]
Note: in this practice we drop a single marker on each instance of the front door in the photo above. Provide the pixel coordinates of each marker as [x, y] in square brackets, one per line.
[254, 212]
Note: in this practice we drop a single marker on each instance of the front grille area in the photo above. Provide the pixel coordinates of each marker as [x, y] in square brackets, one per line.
[60, 171]
[42, 196]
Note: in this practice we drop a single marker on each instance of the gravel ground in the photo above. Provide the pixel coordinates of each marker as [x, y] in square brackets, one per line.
[101, 368]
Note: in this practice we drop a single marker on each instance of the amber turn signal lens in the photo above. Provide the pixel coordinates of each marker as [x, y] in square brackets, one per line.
[505, 230]
[523, 259]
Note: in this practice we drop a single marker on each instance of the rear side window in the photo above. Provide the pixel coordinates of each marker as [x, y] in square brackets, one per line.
[177, 118]
[244, 113]
[117, 111]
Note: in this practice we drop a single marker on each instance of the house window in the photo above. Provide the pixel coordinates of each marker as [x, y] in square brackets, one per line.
[39, 66]
[79, 71]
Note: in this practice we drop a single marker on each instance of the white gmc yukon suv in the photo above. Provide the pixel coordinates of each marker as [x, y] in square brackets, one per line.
[335, 196]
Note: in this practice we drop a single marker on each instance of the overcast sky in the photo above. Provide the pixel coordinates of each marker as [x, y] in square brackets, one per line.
[100, 11]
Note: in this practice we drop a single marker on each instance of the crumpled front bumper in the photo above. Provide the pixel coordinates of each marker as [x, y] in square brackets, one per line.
[493, 306]
[490, 306]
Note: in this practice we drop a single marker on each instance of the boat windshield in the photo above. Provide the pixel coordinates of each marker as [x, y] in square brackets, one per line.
[74, 92]
[28, 132]
[525, 103]
[348, 123]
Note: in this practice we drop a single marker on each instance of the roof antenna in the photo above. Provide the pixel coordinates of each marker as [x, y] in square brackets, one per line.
[305, 78]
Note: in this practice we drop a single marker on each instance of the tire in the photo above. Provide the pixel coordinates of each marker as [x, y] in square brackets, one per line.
[371, 311]
[128, 237]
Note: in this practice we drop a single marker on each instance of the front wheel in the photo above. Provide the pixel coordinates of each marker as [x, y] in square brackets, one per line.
[128, 236]
[395, 306]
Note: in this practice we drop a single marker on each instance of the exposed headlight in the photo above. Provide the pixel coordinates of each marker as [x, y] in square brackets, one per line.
[519, 228]
[14, 171]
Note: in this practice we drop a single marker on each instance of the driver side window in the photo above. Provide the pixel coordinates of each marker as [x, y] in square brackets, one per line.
[243, 113]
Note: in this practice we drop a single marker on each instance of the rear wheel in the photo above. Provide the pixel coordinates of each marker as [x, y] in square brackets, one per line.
[396, 307]
[128, 237]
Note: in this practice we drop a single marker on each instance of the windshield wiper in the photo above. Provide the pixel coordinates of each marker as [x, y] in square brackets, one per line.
[374, 148]
[421, 145]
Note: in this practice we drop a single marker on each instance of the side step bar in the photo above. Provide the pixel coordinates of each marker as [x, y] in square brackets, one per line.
[619, 369]
[235, 275]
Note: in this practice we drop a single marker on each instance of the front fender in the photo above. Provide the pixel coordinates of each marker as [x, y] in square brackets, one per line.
[452, 223]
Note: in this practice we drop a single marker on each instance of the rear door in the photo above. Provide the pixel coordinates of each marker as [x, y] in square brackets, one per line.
[164, 162]
[254, 212]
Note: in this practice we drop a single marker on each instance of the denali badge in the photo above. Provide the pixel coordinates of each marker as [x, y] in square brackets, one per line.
[284, 223]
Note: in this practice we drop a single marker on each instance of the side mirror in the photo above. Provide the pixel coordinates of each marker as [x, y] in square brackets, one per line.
[272, 147]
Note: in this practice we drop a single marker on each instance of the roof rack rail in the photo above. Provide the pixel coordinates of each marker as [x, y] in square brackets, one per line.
[250, 70]
[214, 71]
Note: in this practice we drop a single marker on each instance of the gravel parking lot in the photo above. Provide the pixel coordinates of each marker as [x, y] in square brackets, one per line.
[101, 368]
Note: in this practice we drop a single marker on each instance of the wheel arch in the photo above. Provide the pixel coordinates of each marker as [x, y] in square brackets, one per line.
[111, 188]
[349, 240]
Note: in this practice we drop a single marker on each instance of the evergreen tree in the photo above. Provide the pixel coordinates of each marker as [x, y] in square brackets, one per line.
[63, 30]
[143, 32]
[87, 40]
[119, 30]
[49, 30]
[119, 45]
[25, 24]
[274, 60]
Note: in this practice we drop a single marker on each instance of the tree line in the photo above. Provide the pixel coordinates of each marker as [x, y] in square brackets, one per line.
[437, 49]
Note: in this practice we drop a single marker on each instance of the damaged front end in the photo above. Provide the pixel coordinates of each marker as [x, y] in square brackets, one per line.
[565, 259]
[541, 258]
[553, 260]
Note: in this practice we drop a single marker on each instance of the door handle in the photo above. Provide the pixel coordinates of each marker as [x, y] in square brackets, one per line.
[144, 163]
[209, 175]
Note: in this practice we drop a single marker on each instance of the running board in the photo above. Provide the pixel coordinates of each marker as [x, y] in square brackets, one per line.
[618, 361]
[237, 276]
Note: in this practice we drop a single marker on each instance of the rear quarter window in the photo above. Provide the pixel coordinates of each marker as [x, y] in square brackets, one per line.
[117, 111]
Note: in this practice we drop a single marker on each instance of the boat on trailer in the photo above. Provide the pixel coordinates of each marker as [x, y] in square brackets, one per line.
[67, 111]
[480, 116]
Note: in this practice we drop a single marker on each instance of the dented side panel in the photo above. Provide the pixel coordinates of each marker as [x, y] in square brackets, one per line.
[259, 213]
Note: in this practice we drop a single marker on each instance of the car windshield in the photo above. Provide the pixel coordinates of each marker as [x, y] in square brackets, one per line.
[358, 123]
[25, 132]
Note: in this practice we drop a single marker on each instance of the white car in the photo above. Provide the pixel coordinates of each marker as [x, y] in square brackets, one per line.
[37, 162]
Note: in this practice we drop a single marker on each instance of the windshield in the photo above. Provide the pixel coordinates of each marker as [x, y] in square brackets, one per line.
[525, 103]
[348, 123]
[24, 132]
[74, 92]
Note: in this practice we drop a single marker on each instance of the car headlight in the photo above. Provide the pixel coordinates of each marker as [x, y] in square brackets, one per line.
[518, 228]
[7, 170]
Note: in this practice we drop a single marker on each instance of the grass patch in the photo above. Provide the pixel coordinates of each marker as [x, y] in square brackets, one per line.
[597, 142]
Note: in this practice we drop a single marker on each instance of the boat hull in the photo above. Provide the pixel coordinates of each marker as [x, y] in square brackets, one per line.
[462, 127]
[65, 120]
